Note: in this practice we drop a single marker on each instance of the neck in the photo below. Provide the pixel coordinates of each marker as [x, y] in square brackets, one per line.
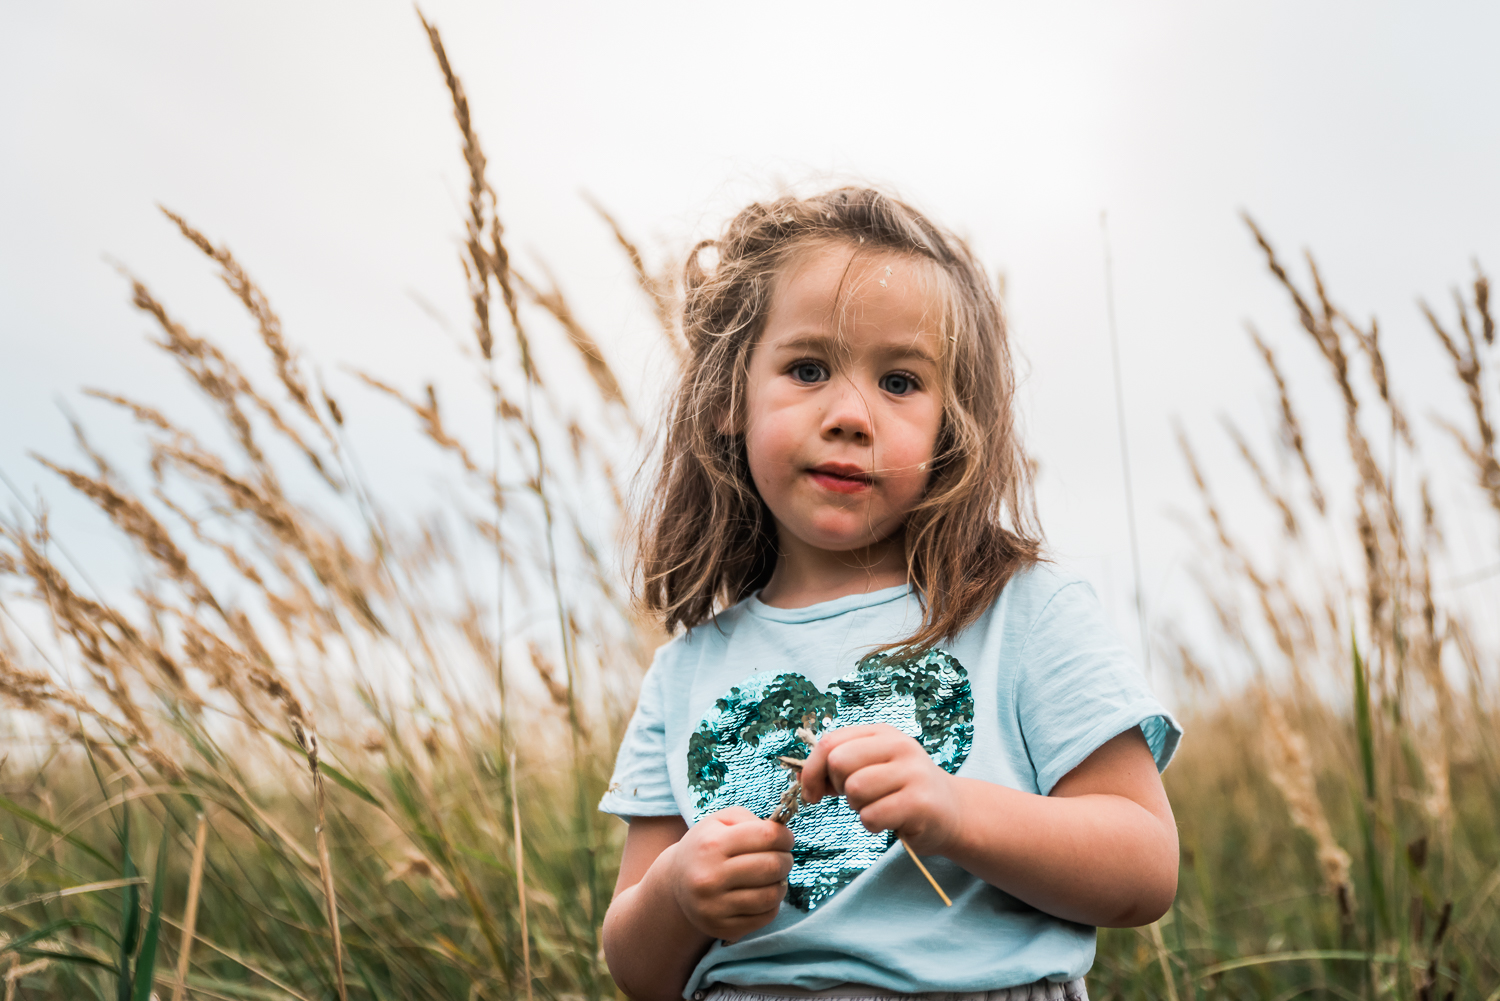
[805, 575]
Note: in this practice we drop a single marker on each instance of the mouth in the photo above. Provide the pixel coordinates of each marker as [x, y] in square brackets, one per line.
[841, 477]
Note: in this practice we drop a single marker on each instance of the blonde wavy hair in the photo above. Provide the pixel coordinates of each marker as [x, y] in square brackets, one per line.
[706, 538]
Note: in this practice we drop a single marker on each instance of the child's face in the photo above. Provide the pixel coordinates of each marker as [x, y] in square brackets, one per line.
[843, 401]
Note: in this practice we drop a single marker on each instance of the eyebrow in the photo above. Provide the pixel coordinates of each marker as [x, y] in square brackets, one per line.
[821, 342]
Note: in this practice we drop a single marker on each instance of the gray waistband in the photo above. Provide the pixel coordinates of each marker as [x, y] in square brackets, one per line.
[1042, 990]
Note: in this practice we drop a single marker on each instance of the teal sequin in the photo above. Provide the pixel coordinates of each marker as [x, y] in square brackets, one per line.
[732, 756]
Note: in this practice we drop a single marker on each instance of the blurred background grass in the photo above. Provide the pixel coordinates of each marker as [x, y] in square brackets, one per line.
[312, 707]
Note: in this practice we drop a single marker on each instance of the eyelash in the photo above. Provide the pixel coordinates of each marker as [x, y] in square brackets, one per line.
[805, 362]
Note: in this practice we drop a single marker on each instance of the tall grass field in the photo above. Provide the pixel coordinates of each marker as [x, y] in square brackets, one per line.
[324, 749]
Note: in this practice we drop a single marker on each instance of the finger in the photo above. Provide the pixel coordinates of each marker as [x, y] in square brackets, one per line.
[815, 782]
[756, 835]
[732, 815]
[889, 745]
[814, 774]
[901, 812]
[734, 929]
[884, 814]
[874, 782]
[751, 871]
[750, 903]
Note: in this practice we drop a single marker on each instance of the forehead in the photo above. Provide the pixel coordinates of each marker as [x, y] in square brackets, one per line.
[845, 290]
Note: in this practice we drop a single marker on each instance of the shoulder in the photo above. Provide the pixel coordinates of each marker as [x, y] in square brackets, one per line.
[1046, 610]
[1041, 591]
[684, 652]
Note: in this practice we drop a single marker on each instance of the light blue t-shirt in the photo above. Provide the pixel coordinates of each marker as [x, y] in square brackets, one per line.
[1019, 698]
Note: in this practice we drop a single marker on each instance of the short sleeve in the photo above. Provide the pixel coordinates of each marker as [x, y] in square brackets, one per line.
[640, 785]
[1076, 687]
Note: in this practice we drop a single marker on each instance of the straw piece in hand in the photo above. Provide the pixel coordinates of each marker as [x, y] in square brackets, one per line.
[795, 793]
[923, 869]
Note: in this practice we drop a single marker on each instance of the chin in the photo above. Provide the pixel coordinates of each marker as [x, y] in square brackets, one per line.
[835, 541]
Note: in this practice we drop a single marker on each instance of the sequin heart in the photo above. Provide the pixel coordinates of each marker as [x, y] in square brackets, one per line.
[732, 756]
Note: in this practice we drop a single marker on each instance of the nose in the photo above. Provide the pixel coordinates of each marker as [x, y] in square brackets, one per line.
[848, 415]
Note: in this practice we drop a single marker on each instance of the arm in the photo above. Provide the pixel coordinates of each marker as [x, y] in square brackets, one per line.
[1101, 849]
[680, 888]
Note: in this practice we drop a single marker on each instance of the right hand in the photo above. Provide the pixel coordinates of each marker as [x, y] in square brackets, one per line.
[729, 872]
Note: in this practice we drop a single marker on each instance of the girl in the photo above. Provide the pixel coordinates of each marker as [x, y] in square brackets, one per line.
[843, 525]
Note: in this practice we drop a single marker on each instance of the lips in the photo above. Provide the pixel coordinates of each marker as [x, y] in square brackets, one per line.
[841, 477]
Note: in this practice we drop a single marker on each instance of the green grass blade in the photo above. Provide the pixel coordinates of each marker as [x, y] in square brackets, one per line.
[1365, 731]
[145, 964]
[130, 911]
[1362, 719]
[48, 930]
[37, 820]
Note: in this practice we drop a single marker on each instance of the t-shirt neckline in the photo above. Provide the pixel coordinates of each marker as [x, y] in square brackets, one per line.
[825, 609]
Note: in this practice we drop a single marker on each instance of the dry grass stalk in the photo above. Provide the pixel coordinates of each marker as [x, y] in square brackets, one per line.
[520, 849]
[417, 865]
[32, 692]
[190, 912]
[430, 416]
[1324, 331]
[237, 560]
[556, 304]
[243, 961]
[73, 891]
[222, 382]
[1382, 540]
[16, 972]
[144, 414]
[136, 521]
[1288, 519]
[227, 666]
[1264, 591]
[1289, 764]
[1469, 368]
[547, 671]
[658, 289]
[308, 741]
[326, 553]
[110, 646]
[1163, 959]
[259, 307]
[39, 695]
[476, 266]
[1291, 427]
[1369, 342]
[482, 262]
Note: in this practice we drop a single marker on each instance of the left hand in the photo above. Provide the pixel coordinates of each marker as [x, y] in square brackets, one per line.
[890, 781]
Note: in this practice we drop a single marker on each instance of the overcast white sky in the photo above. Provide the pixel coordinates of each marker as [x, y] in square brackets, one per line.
[316, 140]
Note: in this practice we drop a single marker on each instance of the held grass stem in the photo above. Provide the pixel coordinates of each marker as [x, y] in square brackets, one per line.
[785, 811]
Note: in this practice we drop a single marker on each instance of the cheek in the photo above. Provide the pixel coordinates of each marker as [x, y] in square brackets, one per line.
[770, 446]
[910, 446]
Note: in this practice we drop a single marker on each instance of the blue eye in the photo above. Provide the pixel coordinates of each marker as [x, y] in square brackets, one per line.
[898, 383]
[809, 371]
